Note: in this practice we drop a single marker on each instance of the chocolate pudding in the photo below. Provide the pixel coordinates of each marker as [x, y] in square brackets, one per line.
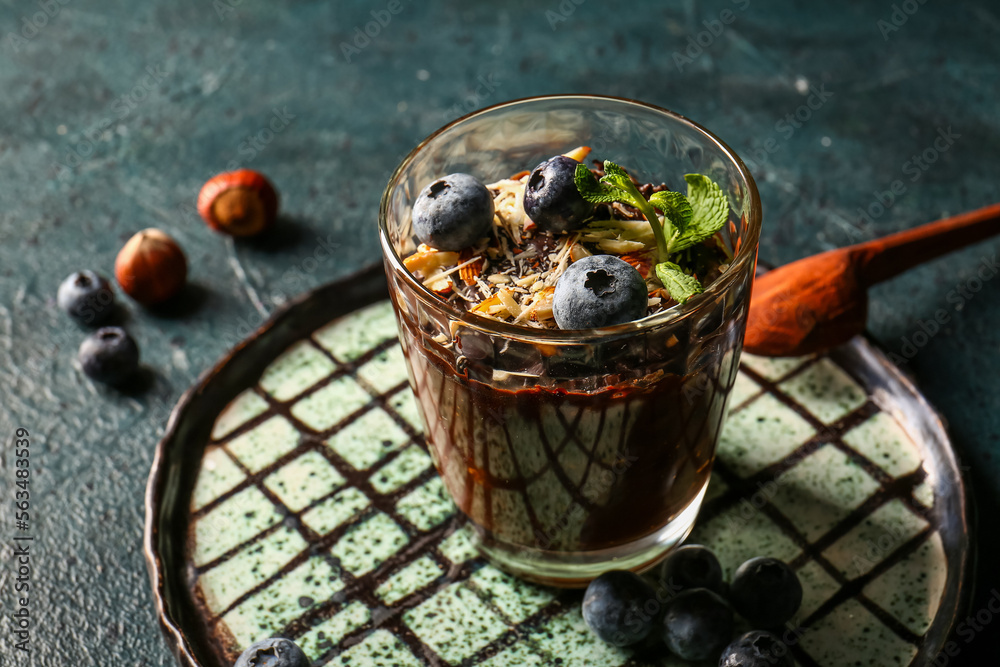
[561, 457]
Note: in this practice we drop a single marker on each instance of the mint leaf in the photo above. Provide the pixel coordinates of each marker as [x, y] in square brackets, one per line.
[673, 205]
[590, 189]
[676, 210]
[614, 186]
[710, 211]
[615, 174]
[680, 285]
[618, 178]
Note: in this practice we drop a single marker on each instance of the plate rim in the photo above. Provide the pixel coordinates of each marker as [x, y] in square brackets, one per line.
[372, 283]
[936, 439]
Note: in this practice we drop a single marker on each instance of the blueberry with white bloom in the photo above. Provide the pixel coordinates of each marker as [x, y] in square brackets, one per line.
[273, 652]
[551, 198]
[599, 291]
[620, 608]
[453, 212]
[756, 649]
[109, 355]
[86, 297]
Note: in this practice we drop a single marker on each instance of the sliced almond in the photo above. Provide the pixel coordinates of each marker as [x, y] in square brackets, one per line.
[485, 306]
[641, 261]
[471, 267]
[578, 252]
[428, 260]
[596, 235]
[444, 274]
[618, 247]
[439, 285]
[507, 299]
[579, 153]
[543, 305]
[630, 228]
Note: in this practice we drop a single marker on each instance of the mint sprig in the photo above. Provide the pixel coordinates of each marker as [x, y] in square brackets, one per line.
[687, 220]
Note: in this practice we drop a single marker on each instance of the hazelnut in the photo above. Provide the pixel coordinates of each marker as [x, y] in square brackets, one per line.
[239, 203]
[151, 267]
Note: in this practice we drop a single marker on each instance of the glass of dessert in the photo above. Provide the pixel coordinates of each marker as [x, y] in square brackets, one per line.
[572, 323]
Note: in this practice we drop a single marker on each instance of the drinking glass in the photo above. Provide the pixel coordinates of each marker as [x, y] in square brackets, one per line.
[574, 452]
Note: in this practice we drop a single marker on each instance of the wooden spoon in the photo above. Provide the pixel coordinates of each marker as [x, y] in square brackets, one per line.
[821, 301]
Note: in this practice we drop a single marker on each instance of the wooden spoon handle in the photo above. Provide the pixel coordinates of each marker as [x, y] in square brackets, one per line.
[881, 259]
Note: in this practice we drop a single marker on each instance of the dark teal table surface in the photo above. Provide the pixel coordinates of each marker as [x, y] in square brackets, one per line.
[114, 113]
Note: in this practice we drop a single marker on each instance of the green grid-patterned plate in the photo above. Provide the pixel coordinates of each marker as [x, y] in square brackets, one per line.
[293, 495]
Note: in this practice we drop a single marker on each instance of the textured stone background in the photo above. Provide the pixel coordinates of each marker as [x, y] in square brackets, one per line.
[115, 112]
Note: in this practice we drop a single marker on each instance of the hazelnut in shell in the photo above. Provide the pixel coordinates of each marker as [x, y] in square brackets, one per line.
[238, 203]
[151, 267]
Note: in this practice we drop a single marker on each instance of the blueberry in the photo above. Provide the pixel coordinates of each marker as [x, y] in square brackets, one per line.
[599, 291]
[453, 212]
[697, 624]
[551, 199]
[691, 566]
[766, 592]
[756, 649]
[86, 297]
[620, 608]
[273, 652]
[109, 355]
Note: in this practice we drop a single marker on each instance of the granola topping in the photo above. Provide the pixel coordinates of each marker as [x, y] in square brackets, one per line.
[512, 274]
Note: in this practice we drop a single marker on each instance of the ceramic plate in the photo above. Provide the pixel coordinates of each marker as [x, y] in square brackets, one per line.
[293, 495]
